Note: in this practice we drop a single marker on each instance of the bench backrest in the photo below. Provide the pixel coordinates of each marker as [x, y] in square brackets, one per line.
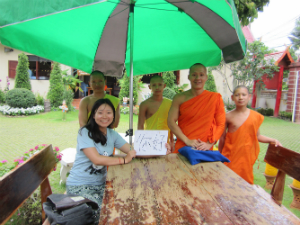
[20, 183]
[287, 162]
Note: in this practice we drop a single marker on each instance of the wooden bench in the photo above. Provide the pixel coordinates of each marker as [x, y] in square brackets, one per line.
[21, 182]
[287, 162]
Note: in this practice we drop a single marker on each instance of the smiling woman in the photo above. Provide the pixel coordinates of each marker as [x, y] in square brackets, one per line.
[95, 144]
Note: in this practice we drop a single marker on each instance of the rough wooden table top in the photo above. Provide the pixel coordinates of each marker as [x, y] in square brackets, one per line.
[169, 190]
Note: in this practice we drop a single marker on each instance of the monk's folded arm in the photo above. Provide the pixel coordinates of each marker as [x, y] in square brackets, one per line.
[83, 112]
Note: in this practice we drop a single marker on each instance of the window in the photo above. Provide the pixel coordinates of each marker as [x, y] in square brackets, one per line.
[40, 68]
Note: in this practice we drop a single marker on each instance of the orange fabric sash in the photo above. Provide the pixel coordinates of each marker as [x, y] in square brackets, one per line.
[202, 117]
[242, 148]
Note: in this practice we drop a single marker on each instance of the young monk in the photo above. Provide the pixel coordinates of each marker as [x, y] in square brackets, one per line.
[239, 142]
[98, 84]
[154, 111]
[200, 113]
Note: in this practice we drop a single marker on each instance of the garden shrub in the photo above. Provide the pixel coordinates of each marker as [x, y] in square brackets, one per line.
[56, 90]
[68, 97]
[269, 112]
[169, 79]
[261, 111]
[20, 98]
[210, 84]
[124, 84]
[2, 97]
[39, 99]
[287, 115]
[169, 93]
[22, 76]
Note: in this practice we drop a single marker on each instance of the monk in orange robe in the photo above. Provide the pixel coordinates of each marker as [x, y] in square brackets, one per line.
[239, 143]
[200, 114]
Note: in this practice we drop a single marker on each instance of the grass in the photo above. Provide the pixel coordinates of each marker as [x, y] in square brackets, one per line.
[19, 134]
[288, 134]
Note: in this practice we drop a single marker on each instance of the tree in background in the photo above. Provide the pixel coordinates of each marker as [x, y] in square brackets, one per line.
[247, 10]
[295, 39]
[124, 84]
[210, 84]
[169, 79]
[56, 90]
[22, 76]
[254, 65]
[251, 68]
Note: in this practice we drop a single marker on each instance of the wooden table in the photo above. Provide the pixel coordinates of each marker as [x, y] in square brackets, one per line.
[168, 190]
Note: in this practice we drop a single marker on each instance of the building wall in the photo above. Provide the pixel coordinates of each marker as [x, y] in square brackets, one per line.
[41, 86]
[268, 99]
[291, 98]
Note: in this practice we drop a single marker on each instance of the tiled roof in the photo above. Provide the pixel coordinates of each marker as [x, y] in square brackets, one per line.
[278, 56]
[275, 55]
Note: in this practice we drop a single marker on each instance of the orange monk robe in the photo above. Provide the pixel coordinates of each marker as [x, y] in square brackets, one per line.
[159, 120]
[242, 148]
[202, 117]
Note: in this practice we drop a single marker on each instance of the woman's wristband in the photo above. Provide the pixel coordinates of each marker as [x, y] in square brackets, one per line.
[124, 159]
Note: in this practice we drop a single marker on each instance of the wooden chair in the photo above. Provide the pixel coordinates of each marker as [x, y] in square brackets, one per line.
[21, 182]
[287, 162]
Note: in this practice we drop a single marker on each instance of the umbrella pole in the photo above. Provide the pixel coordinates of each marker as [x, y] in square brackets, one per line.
[131, 74]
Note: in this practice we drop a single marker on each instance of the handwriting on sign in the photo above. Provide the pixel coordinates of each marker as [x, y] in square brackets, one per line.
[150, 142]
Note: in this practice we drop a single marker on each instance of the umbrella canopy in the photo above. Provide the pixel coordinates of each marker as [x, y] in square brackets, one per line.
[89, 34]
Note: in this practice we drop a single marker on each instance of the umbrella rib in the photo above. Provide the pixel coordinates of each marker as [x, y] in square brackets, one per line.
[118, 12]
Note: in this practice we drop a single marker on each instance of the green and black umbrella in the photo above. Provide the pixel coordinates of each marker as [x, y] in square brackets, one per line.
[148, 36]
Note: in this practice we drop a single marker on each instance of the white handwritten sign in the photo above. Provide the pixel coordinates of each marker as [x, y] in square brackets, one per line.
[150, 142]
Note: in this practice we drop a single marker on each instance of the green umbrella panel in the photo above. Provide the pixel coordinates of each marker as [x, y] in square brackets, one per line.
[87, 35]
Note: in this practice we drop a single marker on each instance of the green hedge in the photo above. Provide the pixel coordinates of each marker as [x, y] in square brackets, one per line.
[20, 98]
[265, 112]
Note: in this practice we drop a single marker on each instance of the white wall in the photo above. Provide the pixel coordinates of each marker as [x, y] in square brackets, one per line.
[41, 86]
[268, 100]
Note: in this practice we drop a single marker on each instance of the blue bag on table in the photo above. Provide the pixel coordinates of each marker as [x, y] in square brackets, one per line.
[197, 156]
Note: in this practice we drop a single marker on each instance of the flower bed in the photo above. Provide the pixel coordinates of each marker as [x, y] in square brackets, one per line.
[7, 110]
[30, 212]
[5, 167]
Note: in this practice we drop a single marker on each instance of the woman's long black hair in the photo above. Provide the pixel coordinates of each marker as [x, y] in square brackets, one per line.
[94, 132]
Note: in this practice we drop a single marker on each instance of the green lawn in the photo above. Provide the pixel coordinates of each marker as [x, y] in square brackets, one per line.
[19, 134]
[288, 134]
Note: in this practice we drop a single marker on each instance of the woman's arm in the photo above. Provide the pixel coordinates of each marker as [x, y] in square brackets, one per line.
[127, 148]
[98, 159]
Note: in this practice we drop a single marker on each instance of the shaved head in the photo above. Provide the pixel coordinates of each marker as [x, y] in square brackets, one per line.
[240, 86]
[156, 77]
[195, 65]
[97, 73]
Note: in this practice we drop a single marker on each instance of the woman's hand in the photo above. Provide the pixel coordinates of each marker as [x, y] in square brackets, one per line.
[131, 154]
[168, 149]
